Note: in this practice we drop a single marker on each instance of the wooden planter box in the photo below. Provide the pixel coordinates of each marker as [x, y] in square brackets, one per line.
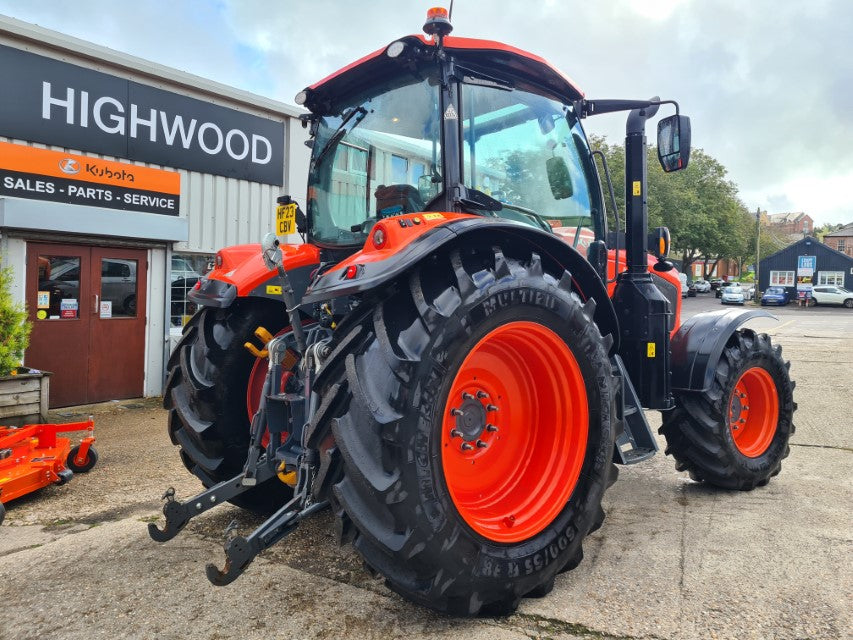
[24, 398]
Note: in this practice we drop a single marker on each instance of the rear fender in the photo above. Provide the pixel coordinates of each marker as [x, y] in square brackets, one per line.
[698, 345]
[242, 274]
[372, 269]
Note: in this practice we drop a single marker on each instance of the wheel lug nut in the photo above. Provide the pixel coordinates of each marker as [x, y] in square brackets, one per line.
[491, 407]
[467, 446]
[455, 433]
[491, 428]
[456, 412]
[482, 395]
[481, 444]
[467, 396]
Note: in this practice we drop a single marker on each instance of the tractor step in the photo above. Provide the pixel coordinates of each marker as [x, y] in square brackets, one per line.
[636, 442]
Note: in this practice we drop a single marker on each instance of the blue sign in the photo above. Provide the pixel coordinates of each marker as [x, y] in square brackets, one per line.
[805, 263]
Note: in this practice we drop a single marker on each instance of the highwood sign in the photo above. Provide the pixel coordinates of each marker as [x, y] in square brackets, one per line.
[61, 104]
[28, 172]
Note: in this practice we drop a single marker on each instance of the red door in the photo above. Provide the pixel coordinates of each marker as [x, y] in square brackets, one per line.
[87, 306]
[117, 328]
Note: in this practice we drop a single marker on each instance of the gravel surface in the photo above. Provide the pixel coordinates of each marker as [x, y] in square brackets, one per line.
[674, 559]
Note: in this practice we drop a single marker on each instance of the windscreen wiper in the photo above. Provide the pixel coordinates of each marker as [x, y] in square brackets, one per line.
[342, 130]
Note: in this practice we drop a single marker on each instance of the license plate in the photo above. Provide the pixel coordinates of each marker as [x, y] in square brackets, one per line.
[285, 219]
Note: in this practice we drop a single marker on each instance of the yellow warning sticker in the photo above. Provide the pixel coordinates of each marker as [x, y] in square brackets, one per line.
[638, 188]
[285, 219]
[41, 314]
[650, 349]
[273, 290]
[433, 216]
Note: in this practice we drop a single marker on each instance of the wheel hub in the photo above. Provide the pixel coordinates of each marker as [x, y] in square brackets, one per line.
[472, 420]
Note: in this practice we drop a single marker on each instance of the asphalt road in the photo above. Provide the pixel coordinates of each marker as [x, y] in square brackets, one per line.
[674, 559]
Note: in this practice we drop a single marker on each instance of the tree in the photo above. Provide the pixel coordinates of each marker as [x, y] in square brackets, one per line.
[699, 205]
[14, 327]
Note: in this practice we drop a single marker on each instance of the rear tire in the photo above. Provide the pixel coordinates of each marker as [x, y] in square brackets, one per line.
[418, 517]
[206, 395]
[735, 435]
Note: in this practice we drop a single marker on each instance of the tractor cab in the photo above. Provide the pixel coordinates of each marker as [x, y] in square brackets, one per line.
[449, 125]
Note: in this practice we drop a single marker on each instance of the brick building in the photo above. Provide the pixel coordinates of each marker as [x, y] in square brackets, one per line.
[796, 223]
[841, 240]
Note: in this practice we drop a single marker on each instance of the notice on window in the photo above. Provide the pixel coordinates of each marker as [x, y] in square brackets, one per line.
[106, 308]
[43, 300]
[68, 308]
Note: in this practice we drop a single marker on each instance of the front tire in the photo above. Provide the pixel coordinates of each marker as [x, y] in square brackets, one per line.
[477, 387]
[211, 380]
[735, 435]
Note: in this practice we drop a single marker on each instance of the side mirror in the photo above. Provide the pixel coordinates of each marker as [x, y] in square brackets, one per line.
[559, 178]
[427, 187]
[674, 143]
[271, 252]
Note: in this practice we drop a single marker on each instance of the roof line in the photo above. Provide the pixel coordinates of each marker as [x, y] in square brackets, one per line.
[66, 44]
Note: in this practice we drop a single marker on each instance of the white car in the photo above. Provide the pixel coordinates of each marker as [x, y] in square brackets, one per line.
[702, 286]
[733, 294]
[182, 269]
[826, 294]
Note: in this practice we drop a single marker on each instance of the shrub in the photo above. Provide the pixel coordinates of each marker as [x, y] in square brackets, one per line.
[14, 327]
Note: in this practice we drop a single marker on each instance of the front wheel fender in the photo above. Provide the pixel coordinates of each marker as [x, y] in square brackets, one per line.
[698, 345]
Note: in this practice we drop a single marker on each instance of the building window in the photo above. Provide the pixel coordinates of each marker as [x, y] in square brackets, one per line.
[835, 278]
[782, 278]
[399, 170]
[186, 270]
[842, 245]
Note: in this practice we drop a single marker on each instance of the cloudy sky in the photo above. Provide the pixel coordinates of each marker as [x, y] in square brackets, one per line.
[768, 84]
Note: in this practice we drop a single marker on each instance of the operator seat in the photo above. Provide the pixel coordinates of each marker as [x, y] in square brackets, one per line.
[394, 199]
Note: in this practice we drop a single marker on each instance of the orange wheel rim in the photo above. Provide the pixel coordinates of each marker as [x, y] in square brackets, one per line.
[753, 412]
[514, 432]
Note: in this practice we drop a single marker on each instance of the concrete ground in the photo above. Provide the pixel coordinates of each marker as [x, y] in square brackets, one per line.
[674, 559]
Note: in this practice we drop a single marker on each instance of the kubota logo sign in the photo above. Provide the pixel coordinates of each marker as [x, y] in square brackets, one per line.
[45, 100]
[69, 166]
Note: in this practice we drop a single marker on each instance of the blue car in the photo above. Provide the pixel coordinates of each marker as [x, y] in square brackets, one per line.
[775, 295]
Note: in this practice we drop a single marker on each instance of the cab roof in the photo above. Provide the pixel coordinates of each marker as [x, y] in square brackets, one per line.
[501, 61]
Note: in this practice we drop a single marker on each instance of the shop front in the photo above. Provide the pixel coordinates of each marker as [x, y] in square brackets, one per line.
[119, 180]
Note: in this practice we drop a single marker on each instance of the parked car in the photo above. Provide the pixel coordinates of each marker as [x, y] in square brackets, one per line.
[826, 294]
[718, 292]
[732, 294]
[702, 286]
[182, 269]
[716, 283]
[691, 290]
[749, 291]
[776, 295]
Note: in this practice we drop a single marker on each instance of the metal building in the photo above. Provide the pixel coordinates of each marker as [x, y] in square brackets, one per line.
[119, 179]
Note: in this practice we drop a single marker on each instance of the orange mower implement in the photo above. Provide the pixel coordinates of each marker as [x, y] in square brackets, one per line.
[34, 456]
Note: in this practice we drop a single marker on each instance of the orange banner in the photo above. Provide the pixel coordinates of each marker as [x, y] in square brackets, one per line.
[70, 166]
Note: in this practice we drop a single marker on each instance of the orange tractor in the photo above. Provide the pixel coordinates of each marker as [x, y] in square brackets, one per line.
[459, 353]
